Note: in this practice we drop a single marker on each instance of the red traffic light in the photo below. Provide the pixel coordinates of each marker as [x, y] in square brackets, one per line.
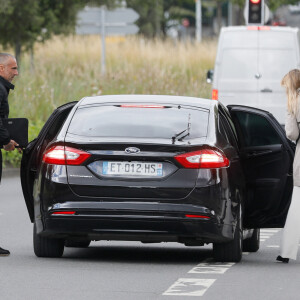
[255, 12]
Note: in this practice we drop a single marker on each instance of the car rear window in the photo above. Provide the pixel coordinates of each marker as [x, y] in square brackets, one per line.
[140, 122]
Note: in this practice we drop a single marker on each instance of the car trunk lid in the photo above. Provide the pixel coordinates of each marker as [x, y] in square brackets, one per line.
[150, 173]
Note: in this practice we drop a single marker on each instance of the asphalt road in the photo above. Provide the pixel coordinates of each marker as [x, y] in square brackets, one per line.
[131, 270]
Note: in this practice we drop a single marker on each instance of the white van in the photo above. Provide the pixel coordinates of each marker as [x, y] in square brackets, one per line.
[250, 63]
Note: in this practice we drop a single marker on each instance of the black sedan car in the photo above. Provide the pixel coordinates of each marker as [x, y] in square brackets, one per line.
[157, 169]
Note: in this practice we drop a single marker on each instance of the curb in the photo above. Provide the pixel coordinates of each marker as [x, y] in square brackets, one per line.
[10, 172]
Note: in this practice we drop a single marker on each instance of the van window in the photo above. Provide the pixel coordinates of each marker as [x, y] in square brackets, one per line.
[274, 63]
[239, 64]
[276, 40]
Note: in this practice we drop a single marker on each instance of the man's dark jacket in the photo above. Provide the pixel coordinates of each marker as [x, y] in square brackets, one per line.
[5, 86]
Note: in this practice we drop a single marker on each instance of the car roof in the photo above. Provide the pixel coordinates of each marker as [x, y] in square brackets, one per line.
[151, 99]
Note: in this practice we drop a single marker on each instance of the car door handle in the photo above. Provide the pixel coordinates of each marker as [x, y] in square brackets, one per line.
[257, 153]
[266, 90]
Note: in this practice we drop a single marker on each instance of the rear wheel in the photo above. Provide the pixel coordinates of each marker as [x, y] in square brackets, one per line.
[47, 247]
[252, 244]
[77, 243]
[231, 251]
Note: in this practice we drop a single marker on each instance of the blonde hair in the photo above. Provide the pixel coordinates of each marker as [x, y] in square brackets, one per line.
[291, 82]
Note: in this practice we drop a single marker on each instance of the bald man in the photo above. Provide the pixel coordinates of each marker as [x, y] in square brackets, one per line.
[8, 70]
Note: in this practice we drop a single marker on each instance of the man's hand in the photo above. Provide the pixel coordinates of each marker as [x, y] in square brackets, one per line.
[10, 146]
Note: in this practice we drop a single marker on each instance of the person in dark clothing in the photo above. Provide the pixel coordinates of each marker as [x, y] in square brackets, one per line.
[8, 70]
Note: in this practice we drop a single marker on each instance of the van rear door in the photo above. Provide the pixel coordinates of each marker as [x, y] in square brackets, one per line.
[236, 67]
[278, 53]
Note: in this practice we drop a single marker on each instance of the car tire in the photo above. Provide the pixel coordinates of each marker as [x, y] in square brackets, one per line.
[231, 251]
[47, 247]
[77, 243]
[252, 244]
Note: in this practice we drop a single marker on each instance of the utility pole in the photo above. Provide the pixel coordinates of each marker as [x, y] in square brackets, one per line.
[198, 21]
[230, 13]
[103, 33]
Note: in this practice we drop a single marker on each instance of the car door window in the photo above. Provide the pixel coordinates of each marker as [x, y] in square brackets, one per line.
[226, 130]
[256, 130]
[222, 128]
[226, 121]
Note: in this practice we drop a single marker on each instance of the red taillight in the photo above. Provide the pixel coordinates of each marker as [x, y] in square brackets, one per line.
[215, 95]
[255, 1]
[197, 216]
[203, 159]
[61, 213]
[141, 106]
[60, 155]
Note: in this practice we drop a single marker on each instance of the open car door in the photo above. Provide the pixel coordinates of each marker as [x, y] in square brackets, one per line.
[32, 154]
[267, 159]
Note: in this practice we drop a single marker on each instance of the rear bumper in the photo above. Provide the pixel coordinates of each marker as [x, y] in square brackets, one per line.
[136, 222]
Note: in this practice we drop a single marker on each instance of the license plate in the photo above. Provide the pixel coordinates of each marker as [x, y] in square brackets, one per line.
[132, 168]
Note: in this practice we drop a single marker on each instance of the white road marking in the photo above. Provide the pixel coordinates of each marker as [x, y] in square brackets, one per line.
[273, 246]
[198, 286]
[267, 233]
[211, 268]
[189, 287]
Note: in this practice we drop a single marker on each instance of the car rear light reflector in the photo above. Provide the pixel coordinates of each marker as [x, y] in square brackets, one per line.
[60, 213]
[264, 28]
[203, 159]
[215, 95]
[197, 216]
[258, 28]
[60, 155]
[141, 106]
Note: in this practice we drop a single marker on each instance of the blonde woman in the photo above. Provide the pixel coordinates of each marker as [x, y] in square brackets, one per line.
[291, 232]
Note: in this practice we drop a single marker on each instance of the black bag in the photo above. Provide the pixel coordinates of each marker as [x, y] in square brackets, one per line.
[18, 130]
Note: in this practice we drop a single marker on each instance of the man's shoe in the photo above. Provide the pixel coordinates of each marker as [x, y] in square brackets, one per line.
[4, 252]
[282, 259]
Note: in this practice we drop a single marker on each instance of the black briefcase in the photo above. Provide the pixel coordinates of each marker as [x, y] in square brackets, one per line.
[18, 130]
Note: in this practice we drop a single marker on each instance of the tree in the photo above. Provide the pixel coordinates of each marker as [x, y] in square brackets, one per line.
[151, 14]
[219, 4]
[24, 22]
[155, 14]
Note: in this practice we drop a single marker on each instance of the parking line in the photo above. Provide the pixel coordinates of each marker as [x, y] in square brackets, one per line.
[196, 287]
[267, 233]
[211, 268]
[269, 230]
[189, 287]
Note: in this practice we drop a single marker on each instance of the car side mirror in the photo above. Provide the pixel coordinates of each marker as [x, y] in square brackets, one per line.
[209, 76]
